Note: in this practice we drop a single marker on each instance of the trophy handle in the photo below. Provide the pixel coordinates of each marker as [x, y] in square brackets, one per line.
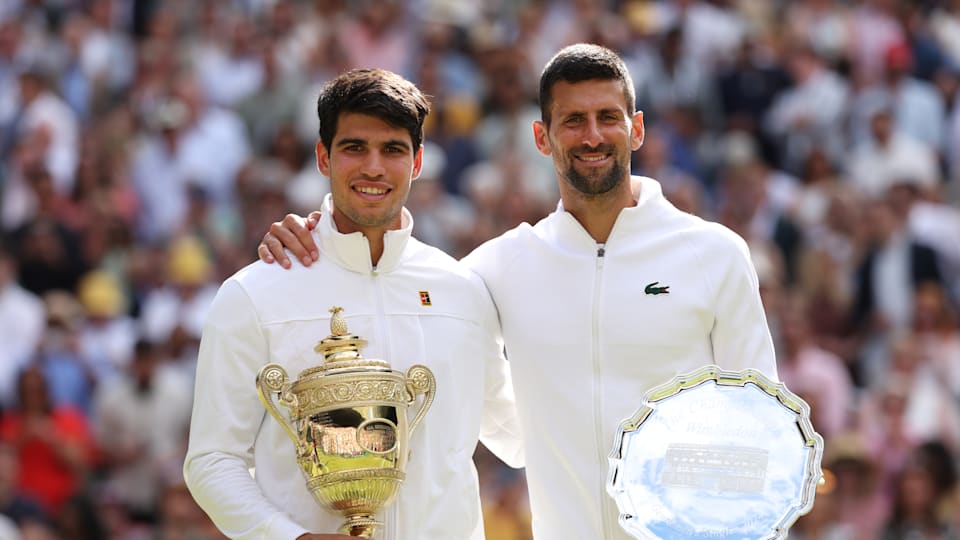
[272, 379]
[420, 380]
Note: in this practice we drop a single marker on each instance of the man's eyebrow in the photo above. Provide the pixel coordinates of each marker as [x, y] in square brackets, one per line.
[612, 110]
[350, 142]
[581, 112]
[362, 142]
[397, 142]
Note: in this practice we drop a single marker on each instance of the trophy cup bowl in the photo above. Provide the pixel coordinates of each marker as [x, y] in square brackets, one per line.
[348, 421]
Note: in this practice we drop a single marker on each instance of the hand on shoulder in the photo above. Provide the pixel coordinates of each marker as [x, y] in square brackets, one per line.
[294, 234]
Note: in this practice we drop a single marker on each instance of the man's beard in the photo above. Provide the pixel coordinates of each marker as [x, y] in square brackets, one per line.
[596, 185]
[374, 221]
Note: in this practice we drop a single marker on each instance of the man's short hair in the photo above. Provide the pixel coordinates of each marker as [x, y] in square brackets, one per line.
[584, 62]
[375, 92]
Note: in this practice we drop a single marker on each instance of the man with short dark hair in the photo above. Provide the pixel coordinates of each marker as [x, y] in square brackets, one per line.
[615, 292]
[413, 303]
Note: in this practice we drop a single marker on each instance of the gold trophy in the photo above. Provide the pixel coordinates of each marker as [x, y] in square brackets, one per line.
[348, 420]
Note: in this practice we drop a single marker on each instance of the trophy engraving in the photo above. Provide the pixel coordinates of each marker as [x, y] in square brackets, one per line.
[348, 422]
[721, 468]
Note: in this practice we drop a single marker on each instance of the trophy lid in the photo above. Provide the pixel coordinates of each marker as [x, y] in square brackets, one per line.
[341, 350]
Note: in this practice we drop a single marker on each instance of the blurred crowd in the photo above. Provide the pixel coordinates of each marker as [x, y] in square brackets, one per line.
[145, 146]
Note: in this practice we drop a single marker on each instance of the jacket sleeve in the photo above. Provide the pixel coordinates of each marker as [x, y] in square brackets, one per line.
[740, 335]
[227, 415]
[500, 425]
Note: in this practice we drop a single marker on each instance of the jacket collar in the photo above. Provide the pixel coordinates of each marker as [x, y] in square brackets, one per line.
[645, 190]
[352, 251]
[649, 196]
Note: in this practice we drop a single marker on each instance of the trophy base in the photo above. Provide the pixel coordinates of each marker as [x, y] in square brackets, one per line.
[360, 525]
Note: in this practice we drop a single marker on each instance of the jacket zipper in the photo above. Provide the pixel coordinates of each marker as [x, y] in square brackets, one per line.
[598, 387]
[383, 335]
[392, 518]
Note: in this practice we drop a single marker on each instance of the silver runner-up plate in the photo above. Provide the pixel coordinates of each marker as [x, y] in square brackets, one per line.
[724, 455]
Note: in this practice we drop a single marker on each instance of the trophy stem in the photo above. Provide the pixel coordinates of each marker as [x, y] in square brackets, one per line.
[360, 525]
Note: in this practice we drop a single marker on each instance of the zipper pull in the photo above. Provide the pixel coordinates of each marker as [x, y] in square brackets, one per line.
[600, 250]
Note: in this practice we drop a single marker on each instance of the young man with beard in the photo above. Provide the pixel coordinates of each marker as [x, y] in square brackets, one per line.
[413, 303]
[615, 292]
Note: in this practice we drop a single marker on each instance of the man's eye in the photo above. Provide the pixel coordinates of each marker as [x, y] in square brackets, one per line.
[573, 120]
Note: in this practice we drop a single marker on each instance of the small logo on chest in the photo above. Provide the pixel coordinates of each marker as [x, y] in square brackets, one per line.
[425, 298]
[654, 288]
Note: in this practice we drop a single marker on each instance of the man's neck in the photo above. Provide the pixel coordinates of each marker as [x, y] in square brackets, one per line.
[598, 213]
[374, 235]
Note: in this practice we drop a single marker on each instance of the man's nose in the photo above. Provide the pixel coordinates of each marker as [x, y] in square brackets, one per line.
[373, 165]
[591, 134]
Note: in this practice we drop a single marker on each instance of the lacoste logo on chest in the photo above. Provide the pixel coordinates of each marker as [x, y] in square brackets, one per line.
[654, 289]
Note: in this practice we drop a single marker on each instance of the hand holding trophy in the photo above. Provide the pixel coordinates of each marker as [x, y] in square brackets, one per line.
[348, 422]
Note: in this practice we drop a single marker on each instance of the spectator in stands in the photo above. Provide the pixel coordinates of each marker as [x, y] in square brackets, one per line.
[181, 518]
[70, 380]
[931, 221]
[53, 444]
[106, 335]
[21, 509]
[891, 270]
[818, 375]
[810, 112]
[50, 123]
[174, 313]
[937, 328]
[823, 520]
[930, 411]
[141, 420]
[860, 504]
[22, 319]
[916, 503]
[940, 461]
[889, 155]
[918, 109]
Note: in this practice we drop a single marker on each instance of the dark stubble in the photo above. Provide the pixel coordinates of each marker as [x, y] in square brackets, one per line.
[596, 184]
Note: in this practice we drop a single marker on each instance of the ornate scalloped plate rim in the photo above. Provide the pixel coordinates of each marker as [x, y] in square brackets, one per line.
[729, 378]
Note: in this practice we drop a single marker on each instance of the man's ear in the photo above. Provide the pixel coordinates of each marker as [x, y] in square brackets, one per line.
[417, 163]
[323, 159]
[637, 130]
[540, 137]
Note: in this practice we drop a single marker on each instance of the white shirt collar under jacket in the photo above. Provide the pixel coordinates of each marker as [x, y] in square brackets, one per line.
[352, 251]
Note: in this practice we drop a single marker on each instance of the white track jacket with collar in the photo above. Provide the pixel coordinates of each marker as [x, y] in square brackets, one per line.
[419, 306]
[590, 328]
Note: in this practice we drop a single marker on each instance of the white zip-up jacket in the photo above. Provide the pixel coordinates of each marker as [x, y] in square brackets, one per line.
[419, 306]
[590, 328]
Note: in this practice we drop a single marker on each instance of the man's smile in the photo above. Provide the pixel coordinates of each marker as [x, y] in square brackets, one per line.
[593, 158]
[371, 192]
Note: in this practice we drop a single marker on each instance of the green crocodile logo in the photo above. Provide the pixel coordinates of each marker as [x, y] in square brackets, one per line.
[653, 289]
